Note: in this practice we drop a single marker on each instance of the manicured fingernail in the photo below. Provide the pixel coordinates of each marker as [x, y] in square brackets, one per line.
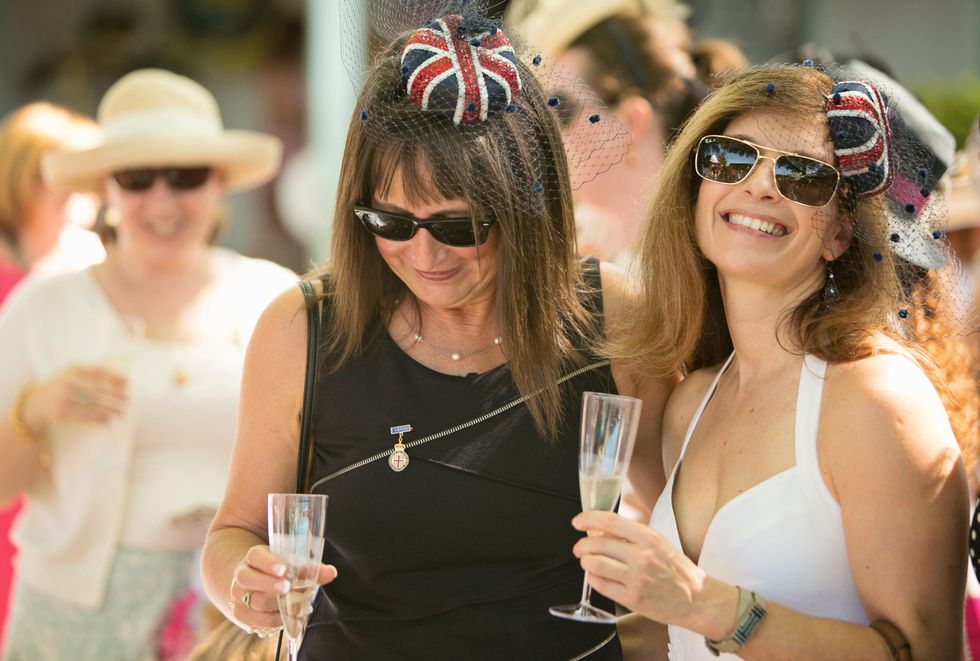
[575, 523]
[282, 587]
[279, 570]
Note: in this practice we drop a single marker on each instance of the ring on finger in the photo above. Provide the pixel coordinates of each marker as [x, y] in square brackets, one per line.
[82, 396]
[247, 599]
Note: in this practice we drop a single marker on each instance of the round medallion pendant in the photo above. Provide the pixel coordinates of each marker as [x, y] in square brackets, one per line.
[398, 460]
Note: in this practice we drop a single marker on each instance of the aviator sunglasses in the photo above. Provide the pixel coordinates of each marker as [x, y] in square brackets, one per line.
[141, 179]
[801, 179]
[457, 232]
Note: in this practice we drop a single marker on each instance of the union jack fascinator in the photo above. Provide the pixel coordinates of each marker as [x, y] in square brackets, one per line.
[887, 144]
[466, 75]
[859, 128]
[449, 72]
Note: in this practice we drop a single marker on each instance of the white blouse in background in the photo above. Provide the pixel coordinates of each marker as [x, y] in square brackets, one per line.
[128, 482]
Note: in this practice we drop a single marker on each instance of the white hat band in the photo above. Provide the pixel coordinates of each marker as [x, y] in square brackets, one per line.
[161, 123]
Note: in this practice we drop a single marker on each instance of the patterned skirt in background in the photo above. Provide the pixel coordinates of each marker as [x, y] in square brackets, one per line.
[143, 585]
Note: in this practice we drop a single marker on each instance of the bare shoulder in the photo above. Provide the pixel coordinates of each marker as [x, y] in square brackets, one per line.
[883, 412]
[680, 409]
[281, 333]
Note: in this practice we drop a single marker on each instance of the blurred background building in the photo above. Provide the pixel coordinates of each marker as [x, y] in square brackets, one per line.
[274, 65]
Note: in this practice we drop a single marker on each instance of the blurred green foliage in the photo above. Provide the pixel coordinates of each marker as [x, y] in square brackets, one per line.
[956, 105]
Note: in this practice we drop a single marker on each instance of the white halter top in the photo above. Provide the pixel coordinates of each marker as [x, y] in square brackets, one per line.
[783, 538]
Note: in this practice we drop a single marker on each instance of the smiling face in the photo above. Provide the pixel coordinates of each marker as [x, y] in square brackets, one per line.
[163, 223]
[749, 231]
[437, 274]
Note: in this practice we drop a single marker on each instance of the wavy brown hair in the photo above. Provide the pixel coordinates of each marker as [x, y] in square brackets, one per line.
[679, 288]
[492, 167]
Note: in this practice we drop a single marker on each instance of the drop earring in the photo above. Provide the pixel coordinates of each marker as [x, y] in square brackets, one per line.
[830, 291]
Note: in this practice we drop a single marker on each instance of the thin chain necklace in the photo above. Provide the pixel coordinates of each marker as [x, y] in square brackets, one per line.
[459, 355]
[455, 356]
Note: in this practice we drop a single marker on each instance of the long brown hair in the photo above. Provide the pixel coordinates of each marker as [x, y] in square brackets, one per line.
[679, 287]
[493, 167]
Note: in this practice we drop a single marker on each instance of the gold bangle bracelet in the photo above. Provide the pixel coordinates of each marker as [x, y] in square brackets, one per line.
[20, 427]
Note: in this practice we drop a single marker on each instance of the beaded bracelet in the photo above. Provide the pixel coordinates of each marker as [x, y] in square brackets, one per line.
[20, 427]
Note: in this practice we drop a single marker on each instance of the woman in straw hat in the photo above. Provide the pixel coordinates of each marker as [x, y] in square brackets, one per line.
[816, 503]
[459, 332]
[121, 381]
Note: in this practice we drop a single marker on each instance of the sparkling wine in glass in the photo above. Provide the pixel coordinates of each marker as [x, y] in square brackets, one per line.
[297, 523]
[609, 424]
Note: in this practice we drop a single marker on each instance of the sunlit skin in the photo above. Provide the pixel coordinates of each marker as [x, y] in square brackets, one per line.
[162, 224]
[792, 264]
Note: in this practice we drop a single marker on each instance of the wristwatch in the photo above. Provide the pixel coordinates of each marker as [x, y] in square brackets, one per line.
[751, 610]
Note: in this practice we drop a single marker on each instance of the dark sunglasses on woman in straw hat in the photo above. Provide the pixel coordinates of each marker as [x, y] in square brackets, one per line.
[179, 179]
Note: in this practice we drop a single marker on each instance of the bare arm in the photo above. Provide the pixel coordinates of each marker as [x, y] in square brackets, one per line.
[646, 472]
[263, 462]
[889, 457]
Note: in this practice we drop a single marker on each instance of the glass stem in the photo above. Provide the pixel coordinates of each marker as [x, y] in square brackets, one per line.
[586, 591]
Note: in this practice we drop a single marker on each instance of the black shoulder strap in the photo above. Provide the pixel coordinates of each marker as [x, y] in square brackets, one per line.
[303, 459]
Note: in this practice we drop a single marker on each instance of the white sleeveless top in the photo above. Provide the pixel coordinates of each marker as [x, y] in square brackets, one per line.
[782, 538]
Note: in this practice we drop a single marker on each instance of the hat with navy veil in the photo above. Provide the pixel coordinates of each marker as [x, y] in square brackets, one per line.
[461, 73]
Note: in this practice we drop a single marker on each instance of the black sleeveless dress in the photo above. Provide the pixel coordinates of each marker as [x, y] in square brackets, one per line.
[460, 555]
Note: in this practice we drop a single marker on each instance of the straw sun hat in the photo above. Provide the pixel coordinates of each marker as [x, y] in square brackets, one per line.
[153, 118]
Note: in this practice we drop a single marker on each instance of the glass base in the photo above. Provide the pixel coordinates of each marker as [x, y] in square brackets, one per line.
[583, 612]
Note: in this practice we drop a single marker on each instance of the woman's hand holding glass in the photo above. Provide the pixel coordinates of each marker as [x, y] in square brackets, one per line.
[87, 394]
[608, 431]
[637, 567]
[257, 583]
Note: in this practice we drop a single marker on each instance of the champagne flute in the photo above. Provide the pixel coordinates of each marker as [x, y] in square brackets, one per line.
[297, 523]
[609, 424]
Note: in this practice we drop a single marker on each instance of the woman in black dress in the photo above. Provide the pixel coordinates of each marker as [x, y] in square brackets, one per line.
[453, 290]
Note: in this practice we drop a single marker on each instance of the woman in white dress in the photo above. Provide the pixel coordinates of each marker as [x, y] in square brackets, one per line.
[816, 504]
[122, 380]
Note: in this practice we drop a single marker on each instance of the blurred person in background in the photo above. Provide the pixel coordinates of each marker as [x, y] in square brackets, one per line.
[716, 57]
[121, 380]
[41, 230]
[964, 211]
[964, 236]
[633, 54]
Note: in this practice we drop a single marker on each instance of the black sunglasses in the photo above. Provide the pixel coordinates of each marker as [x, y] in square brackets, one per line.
[458, 232]
[141, 179]
[801, 179]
